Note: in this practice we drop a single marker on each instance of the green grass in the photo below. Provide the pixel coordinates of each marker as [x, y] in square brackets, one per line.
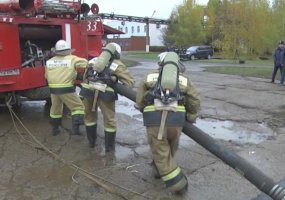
[143, 55]
[129, 63]
[261, 72]
[254, 68]
[268, 63]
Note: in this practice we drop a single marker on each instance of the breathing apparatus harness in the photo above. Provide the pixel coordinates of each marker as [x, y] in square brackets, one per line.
[165, 95]
[165, 99]
[104, 75]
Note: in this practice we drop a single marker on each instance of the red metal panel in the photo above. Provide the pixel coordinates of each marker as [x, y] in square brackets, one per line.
[29, 78]
[94, 46]
[79, 39]
[9, 47]
[95, 32]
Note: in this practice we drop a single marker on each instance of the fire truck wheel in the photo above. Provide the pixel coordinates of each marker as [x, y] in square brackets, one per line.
[37, 94]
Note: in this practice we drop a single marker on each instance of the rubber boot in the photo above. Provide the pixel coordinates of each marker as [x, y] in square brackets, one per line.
[55, 122]
[178, 187]
[183, 190]
[77, 120]
[91, 135]
[110, 141]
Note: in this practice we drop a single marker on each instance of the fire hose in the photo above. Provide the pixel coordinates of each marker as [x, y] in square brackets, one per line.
[243, 167]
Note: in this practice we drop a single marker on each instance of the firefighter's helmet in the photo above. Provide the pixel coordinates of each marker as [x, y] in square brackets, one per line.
[161, 57]
[62, 48]
[118, 48]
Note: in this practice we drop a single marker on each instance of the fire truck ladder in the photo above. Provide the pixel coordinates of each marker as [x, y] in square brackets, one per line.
[127, 18]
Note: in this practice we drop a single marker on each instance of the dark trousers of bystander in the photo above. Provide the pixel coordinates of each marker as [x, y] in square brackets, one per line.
[276, 67]
[282, 75]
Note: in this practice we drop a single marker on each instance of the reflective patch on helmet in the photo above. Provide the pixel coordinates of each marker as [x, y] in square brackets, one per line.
[58, 63]
[183, 81]
[152, 77]
[114, 66]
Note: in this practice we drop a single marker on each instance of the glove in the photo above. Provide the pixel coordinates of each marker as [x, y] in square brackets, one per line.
[191, 118]
[90, 72]
[114, 79]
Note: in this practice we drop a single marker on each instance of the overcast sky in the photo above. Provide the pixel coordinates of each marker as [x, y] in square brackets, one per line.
[140, 8]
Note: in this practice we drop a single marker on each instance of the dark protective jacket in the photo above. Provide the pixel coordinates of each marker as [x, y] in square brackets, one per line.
[190, 102]
[278, 60]
[117, 71]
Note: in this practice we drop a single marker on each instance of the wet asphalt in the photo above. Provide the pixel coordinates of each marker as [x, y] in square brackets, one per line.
[244, 114]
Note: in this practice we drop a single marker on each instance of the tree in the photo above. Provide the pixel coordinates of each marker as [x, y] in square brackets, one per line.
[185, 26]
[249, 27]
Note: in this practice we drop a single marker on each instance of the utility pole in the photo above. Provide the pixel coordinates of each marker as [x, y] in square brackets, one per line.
[147, 36]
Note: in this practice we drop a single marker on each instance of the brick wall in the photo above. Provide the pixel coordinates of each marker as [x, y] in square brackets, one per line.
[134, 43]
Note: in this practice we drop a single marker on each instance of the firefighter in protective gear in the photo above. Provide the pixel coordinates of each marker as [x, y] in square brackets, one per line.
[167, 98]
[97, 91]
[61, 73]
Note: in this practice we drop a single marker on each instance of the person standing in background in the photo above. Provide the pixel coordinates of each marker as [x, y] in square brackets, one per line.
[277, 61]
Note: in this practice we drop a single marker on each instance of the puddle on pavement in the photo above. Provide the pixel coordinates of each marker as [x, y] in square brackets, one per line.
[235, 131]
[126, 106]
[225, 130]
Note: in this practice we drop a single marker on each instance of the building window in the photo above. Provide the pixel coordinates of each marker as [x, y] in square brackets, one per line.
[126, 29]
[133, 29]
[138, 29]
[145, 28]
[119, 28]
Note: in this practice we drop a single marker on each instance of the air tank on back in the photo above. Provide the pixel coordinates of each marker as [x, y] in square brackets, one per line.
[169, 71]
[101, 62]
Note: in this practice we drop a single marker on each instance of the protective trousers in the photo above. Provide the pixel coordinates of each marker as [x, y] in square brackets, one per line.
[108, 111]
[163, 152]
[73, 103]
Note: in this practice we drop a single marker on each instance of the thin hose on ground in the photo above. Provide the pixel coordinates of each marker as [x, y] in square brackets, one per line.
[37, 144]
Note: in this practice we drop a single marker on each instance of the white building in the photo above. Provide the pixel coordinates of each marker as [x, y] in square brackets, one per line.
[137, 29]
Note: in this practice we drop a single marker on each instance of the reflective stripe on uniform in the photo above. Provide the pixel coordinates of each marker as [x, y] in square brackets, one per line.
[60, 85]
[175, 179]
[152, 117]
[78, 112]
[112, 130]
[85, 85]
[152, 108]
[55, 116]
[109, 89]
[90, 124]
[171, 175]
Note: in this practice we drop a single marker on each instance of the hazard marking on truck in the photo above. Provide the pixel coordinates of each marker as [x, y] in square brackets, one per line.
[7, 19]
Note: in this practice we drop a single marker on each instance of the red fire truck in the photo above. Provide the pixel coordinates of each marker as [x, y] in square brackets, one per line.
[28, 31]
